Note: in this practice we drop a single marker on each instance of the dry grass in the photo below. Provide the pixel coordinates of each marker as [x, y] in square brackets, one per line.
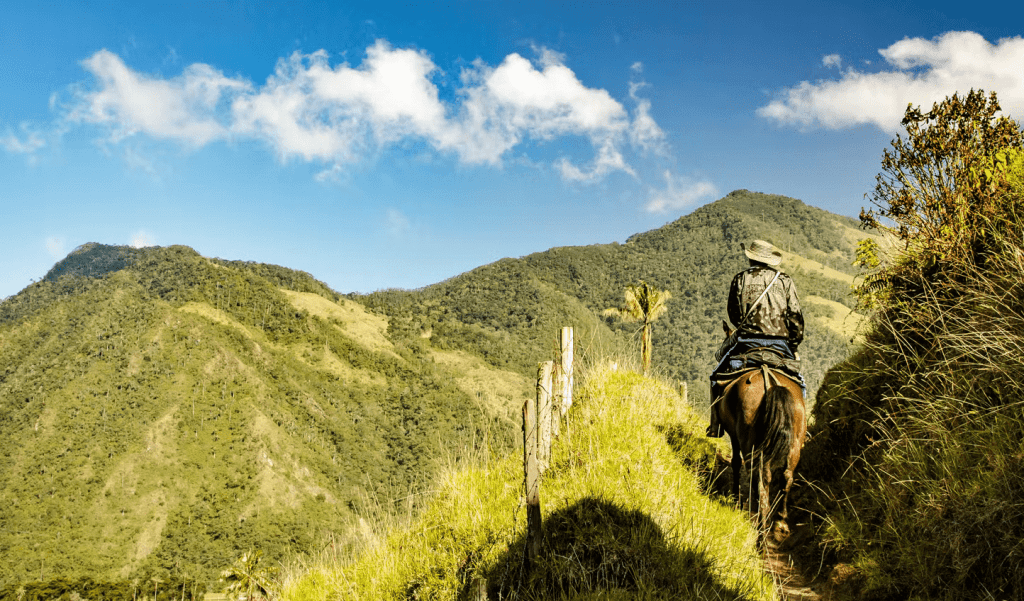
[843, 321]
[499, 391]
[353, 319]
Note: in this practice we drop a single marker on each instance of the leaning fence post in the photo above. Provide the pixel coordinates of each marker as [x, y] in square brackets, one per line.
[532, 473]
[544, 371]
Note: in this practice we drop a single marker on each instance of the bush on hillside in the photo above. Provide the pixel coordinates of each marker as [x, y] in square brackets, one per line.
[916, 445]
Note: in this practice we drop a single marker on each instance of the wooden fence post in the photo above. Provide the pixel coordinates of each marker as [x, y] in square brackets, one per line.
[541, 419]
[532, 473]
[544, 371]
[556, 401]
[567, 369]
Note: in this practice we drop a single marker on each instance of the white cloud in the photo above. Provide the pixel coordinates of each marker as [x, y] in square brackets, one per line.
[183, 108]
[920, 72]
[56, 247]
[608, 159]
[514, 101]
[135, 159]
[142, 239]
[339, 114]
[832, 60]
[29, 143]
[679, 193]
[644, 132]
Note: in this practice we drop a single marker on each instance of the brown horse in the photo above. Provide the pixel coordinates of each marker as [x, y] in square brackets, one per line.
[763, 412]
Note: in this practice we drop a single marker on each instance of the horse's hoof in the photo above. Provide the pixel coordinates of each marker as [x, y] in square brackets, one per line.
[780, 531]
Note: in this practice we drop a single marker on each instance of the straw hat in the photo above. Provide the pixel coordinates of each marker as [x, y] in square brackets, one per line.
[762, 252]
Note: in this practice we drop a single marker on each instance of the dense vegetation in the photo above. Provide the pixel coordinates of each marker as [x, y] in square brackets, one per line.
[162, 418]
[64, 589]
[916, 453]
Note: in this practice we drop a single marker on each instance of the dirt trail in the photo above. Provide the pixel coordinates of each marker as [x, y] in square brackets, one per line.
[798, 583]
[788, 561]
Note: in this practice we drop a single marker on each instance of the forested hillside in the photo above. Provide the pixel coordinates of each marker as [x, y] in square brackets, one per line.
[161, 413]
[508, 311]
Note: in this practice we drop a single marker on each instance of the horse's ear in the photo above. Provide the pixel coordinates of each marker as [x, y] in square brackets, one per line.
[725, 326]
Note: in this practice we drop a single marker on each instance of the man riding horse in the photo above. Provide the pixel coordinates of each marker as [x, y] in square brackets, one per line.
[769, 325]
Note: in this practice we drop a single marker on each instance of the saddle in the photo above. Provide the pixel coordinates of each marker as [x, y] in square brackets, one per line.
[757, 358]
[753, 357]
[768, 376]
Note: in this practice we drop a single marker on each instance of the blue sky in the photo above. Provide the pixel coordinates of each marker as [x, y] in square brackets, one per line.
[396, 144]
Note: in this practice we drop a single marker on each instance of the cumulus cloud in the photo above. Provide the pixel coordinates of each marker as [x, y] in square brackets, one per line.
[608, 159]
[511, 102]
[337, 114]
[919, 72]
[832, 60]
[182, 108]
[679, 193]
[311, 110]
[644, 131]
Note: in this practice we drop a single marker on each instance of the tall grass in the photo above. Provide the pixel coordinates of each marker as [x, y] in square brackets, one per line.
[932, 411]
[623, 510]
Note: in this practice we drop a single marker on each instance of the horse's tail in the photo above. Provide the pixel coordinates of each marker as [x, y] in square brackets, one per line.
[775, 432]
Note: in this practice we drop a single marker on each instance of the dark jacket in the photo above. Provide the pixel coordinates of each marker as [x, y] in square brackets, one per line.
[777, 315]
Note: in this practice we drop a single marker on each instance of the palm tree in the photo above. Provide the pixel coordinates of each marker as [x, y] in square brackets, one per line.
[246, 579]
[644, 303]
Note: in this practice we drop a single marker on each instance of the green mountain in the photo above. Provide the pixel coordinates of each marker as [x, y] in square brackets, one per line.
[508, 311]
[162, 412]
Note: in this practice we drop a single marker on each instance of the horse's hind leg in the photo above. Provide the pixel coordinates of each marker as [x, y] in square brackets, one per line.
[763, 497]
[737, 470]
[780, 526]
[787, 475]
[788, 478]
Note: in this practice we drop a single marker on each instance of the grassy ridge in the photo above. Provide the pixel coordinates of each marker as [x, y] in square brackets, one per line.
[623, 510]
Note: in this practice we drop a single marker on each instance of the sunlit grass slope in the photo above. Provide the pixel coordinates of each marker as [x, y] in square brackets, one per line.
[623, 510]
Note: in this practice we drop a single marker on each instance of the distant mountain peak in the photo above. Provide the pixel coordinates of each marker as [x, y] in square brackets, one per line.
[91, 259]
